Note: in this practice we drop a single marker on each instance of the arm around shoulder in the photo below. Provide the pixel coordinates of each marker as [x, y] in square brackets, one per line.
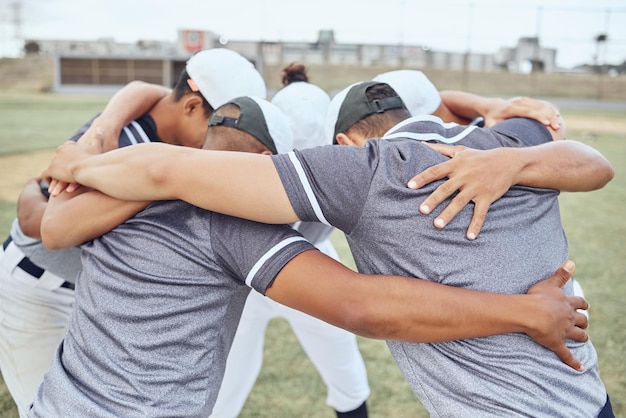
[73, 218]
[414, 310]
[127, 104]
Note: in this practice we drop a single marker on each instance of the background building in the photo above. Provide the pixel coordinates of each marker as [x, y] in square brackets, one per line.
[105, 64]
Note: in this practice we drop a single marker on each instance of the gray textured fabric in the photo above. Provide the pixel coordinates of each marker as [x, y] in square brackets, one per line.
[157, 306]
[363, 192]
[66, 263]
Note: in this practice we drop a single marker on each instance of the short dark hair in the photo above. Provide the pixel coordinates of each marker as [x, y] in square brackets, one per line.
[238, 140]
[182, 88]
[376, 124]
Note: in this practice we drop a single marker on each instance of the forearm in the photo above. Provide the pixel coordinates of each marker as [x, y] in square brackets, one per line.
[74, 218]
[238, 184]
[467, 106]
[397, 308]
[126, 105]
[563, 165]
[132, 101]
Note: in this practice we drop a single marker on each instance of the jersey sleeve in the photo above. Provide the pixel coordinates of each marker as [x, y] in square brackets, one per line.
[329, 184]
[254, 252]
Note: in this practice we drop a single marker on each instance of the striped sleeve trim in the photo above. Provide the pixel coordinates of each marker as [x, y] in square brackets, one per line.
[268, 255]
[138, 130]
[432, 136]
[423, 118]
[308, 190]
[130, 135]
[397, 132]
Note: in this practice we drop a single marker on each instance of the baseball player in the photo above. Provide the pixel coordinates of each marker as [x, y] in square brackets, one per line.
[523, 241]
[37, 284]
[421, 97]
[160, 295]
[332, 350]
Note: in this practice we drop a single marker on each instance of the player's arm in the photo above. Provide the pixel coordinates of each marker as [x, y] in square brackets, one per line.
[484, 176]
[245, 185]
[399, 308]
[31, 205]
[126, 105]
[458, 106]
[248, 185]
[73, 218]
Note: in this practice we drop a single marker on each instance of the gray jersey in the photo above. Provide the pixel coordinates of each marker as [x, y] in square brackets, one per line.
[157, 305]
[522, 242]
[65, 263]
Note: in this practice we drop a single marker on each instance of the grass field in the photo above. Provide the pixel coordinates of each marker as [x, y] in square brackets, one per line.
[289, 385]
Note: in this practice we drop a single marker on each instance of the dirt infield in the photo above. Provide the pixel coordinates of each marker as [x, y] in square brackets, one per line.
[16, 169]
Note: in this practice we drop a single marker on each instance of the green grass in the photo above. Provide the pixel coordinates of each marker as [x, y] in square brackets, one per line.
[30, 122]
[288, 385]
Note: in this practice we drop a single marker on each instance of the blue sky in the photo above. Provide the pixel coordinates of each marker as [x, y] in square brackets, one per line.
[453, 25]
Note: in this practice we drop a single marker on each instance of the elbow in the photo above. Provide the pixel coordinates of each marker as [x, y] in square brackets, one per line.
[604, 173]
[53, 238]
[29, 225]
[598, 170]
[48, 239]
[609, 173]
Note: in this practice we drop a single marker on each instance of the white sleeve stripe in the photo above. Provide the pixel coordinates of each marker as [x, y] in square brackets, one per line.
[307, 188]
[141, 132]
[425, 118]
[431, 136]
[269, 254]
[130, 135]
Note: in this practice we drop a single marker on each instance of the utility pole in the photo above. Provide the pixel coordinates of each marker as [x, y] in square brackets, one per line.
[468, 47]
[17, 19]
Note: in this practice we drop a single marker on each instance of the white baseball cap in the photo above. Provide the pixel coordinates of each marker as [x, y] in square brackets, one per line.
[222, 74]
[262, 120]
[417, 92]
[305, 105]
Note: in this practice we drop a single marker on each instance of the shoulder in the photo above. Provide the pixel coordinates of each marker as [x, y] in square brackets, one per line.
[526, 131]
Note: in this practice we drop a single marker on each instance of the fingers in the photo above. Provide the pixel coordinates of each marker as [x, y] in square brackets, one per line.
[568, 358]
[57, 187]
[444, 149]
[579, 302]
[435, 172]
[441, 193]
[455, 206]
[52, 186]
[578, 334]
[478, 220]
[438, 171]
[562, 274]
[581, 320]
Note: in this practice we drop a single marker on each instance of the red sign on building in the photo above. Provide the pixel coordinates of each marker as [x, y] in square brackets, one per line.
[193, 40]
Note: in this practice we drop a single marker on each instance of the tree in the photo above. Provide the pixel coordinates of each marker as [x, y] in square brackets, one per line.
[32, 47]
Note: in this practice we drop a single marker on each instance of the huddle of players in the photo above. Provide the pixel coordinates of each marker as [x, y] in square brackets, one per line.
[163, 303]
